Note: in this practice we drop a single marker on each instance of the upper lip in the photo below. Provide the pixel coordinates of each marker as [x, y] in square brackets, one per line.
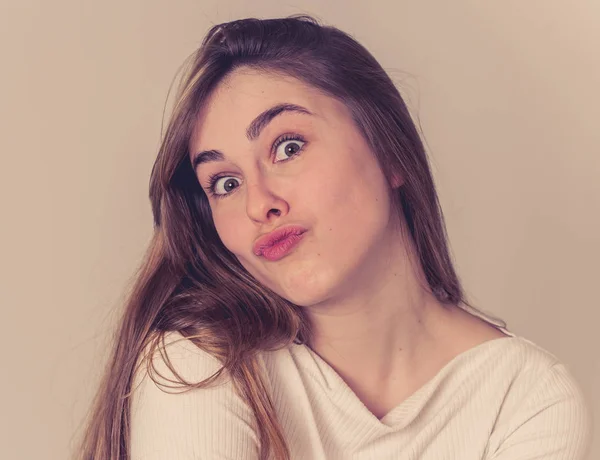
[269, 239]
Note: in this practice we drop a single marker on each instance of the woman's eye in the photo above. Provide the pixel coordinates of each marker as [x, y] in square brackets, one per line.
[219, 187]
[288, 148]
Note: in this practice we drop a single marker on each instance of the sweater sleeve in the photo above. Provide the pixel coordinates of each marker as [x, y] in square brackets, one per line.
[211, 423]
[553, 422]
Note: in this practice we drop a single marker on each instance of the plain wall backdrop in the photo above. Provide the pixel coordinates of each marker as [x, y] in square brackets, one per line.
[507, 94]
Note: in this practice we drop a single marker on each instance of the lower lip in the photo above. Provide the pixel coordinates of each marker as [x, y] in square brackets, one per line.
[281, 248]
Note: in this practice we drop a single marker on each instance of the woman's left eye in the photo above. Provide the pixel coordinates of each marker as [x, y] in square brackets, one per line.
[288, 146]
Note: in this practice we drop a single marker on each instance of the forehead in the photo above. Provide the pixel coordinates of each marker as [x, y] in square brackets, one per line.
[245, 93]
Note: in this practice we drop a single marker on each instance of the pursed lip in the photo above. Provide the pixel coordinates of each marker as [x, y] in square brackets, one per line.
[269, 239]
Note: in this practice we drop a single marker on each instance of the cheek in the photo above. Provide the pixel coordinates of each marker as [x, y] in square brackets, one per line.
[351, 188]
[352, 203]
[229, 228]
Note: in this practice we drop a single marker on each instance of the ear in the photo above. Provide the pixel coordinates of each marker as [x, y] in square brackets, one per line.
[397, 180]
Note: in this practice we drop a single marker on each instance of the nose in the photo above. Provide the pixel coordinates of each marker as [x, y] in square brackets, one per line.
[263, 204]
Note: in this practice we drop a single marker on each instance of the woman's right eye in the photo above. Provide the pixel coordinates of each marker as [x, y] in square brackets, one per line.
[215, 183]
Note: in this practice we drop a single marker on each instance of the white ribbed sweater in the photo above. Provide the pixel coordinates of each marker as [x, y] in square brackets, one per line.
[505, 399]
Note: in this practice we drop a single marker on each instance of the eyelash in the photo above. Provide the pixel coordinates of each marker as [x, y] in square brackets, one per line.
[213, 178]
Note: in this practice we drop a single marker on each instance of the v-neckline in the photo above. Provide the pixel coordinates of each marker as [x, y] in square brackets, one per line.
[337, 386]
[404, 412]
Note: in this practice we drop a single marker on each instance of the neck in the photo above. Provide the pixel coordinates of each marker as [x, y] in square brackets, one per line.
[384, 328]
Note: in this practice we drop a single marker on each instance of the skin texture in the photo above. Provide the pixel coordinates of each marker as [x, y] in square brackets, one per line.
[375, 321]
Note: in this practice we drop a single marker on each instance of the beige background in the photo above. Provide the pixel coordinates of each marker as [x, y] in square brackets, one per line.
[507, 93]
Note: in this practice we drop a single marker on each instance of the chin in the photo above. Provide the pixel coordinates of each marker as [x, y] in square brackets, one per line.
[308, 287]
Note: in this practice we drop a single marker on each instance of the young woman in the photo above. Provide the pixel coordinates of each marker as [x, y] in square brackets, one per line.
[298, 300]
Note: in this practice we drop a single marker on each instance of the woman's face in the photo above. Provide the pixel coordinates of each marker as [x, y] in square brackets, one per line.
[308, 167]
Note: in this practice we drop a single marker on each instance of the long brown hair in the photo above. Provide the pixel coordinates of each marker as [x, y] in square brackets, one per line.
[189, 282]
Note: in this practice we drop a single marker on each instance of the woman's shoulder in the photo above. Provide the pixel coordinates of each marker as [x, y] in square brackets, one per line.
[541, 399]
[525, 358]
[174, 356]
[518, 365]
[174, 419]
[524, 353]
[496, 342]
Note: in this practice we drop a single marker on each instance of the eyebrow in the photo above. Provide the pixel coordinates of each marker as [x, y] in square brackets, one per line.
[252, 132]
